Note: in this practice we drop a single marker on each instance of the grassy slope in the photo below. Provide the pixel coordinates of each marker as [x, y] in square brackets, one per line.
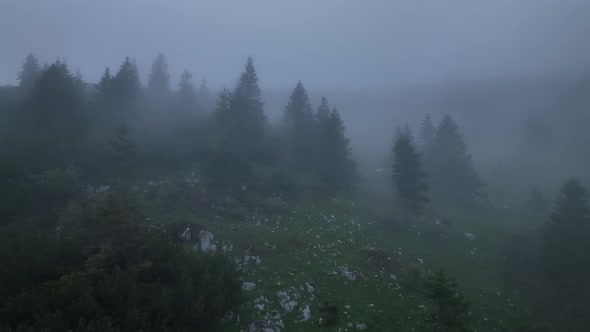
[306, 241]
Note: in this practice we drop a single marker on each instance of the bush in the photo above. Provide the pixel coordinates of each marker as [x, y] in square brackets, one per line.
[128, 278]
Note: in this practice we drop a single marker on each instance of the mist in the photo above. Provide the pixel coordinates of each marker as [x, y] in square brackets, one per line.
[305, 165]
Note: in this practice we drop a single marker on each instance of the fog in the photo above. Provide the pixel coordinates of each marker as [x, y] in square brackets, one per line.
[379, 165]
[330, 45]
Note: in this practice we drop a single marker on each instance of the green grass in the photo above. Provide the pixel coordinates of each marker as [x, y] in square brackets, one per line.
[307, 240]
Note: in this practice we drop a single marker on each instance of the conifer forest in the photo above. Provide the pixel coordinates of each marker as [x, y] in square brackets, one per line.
[278, 166]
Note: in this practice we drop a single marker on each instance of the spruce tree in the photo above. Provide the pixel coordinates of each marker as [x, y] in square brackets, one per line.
[29, 73]
[56, 112]
[247, 108]
[335, 164]
[187, 96]
[450, 310]
[408, 177]
[158, 87]
[427, 133]
[204, 97]
[299, 125]
[126, 85]
[565, 257]
[122, 153]
[449, 166]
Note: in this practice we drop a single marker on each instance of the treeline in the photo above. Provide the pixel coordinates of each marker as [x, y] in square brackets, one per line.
[119, 129]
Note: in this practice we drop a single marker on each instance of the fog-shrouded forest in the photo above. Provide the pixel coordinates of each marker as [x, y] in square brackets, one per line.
[295, 166]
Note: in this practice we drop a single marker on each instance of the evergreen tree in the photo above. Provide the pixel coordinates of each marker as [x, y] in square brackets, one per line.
[451, 310]
[408, 177]
[323, 111]
[335, 165]
[29, 73]
[204, 97]
[404, 131]
[122, 153]
[126, 85]
[450, 167]
[247, 109]
[56, 115]
[104, 89]
[187, 96]
[566, 258]
[427, 133]
[158, 87]
[299, 124]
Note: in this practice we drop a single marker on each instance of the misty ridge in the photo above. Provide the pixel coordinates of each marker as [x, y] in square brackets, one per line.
[319, 166]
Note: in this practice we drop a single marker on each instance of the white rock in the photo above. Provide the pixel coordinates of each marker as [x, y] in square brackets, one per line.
[186, 235]
[361, 326]
[205, 240]
[469, 235]
[248, 286]
[288, 299]
[227, 247]
[305, 314]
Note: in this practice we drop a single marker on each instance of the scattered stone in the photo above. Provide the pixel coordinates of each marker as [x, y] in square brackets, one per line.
[305, 314]
[227, 247]
[186, 235]
[288, 299]
[469, 235]
[248, 286]
[350, 275]
[264, 325]
[361, 326]
[205, 240]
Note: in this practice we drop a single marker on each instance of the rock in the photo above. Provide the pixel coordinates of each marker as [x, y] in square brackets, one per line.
[205, 240]
[350, 275]
[305, 314]
[264, 325]
[288, 299]
[360, 326]
[248, 286]
[227, 247]
[186, 235]
[469, 235]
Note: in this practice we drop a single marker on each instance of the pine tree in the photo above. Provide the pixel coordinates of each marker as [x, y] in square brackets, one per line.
[122, 153]
[450, 167]
[126, 85]
[247, 107]
[408, 177]
[451, 311]
[565, 257]
[427, 133]
[104, 89]
[29, 73]
[335, 164]
[204, 97]
[187, 96]
[299, 125]
[158, 87]
[323, 111]
[57, 116]
[404, 131]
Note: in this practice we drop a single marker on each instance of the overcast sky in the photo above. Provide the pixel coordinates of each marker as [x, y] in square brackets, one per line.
[328, 44]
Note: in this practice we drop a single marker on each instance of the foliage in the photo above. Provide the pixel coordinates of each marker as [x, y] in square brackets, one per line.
[29, 73]
[450, 311]
[107, 270]
[565, 257]
[408, 177]
[449, 166]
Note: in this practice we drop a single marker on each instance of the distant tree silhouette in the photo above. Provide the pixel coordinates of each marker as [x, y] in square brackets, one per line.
[408, 176]
[187, 97]
[29, 73]
[158, 87]
[427, 133]
[565, 258]
[450, 168]
[126, 87]
[335, 164]
[299, 124]
[56, 114]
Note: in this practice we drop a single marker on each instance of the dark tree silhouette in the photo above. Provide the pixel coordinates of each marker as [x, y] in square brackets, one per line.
[408, 177]
[29, 73]
[450, 312]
